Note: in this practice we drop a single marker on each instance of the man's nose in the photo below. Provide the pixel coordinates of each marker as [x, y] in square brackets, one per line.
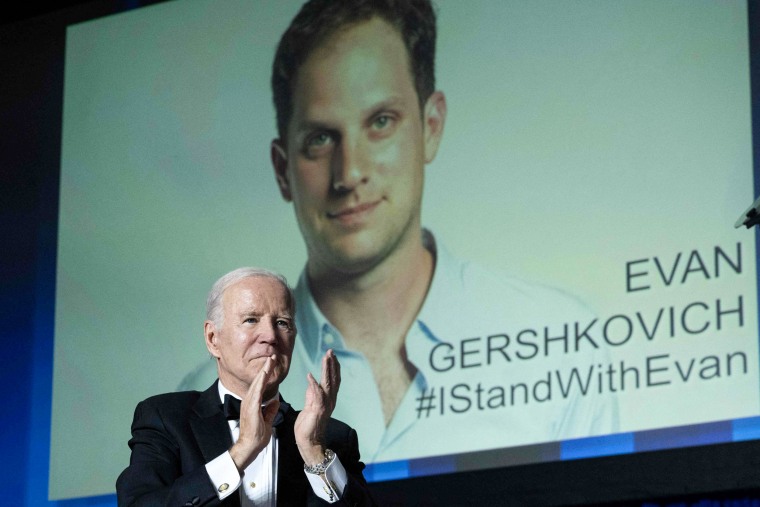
[350, 166]
[266, 331]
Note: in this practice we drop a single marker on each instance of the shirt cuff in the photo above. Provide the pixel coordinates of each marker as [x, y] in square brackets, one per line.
[329, 487]
[224, 475]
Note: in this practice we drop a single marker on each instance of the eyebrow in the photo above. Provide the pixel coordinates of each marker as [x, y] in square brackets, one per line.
[389, 103]
[312, 125]
[393, 102]
[257, 313]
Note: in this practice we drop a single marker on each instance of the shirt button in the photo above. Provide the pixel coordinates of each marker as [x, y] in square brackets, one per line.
[253, 484]
[329, 338]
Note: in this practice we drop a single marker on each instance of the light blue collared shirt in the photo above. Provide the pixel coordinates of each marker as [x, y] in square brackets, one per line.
[477, 403]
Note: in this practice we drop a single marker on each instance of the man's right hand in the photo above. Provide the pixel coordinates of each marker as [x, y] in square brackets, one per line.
[255, 422]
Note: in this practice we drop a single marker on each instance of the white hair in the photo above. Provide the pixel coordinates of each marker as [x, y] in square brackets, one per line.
[214, 311]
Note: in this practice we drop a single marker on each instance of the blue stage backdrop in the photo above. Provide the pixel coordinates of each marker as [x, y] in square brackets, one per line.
[81, 201]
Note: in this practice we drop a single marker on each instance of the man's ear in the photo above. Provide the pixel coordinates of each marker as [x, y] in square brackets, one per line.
[280, 165]
[211, 336]
[434, 119]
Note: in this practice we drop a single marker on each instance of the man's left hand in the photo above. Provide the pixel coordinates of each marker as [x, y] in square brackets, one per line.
[318, 407]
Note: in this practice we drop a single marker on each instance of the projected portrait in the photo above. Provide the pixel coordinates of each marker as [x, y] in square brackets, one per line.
[358, 119]
[424, 338]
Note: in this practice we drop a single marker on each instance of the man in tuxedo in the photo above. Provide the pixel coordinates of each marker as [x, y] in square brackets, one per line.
[238, 442]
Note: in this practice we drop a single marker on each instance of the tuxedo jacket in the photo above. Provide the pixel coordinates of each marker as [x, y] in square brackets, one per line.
[174, 435]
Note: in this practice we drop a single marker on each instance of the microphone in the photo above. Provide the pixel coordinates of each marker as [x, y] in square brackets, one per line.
[750, 217]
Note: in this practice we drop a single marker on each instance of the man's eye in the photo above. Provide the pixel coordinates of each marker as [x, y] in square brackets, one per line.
[382, 122]
[283, 323]
[318, 140]
[318, 144]
[251, 320]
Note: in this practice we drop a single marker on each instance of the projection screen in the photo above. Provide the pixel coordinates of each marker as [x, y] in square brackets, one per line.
[595, 157]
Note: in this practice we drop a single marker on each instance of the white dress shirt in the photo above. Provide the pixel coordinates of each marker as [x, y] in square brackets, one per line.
[259, 480]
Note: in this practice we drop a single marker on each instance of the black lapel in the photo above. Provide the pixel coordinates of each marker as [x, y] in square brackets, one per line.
[209, 425]
[292, 485]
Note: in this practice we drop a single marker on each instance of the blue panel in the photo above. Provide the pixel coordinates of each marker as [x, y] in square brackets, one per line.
[746, 429]
[92, 501]
[432, 466]
[387, 471]
[42, 377]
[621, 443]
[684, 436]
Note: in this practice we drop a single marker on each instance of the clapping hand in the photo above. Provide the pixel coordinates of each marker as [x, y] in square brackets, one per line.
[255, 421]
[319, 404]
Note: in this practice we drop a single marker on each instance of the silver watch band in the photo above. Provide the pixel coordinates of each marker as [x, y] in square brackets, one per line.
[320, 468]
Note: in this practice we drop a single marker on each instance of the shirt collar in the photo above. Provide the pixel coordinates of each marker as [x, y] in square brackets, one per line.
[447, 272]
[447, 293]
[308, 318]
[223, 390]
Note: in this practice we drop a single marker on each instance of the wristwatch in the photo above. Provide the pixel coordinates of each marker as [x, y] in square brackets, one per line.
[321, 467]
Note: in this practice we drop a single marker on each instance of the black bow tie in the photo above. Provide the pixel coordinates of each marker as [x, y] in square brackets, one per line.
[231, 407]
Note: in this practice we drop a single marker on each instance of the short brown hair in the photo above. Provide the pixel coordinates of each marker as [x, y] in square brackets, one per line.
[319, 19]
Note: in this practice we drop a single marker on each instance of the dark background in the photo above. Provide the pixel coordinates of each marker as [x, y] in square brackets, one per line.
[32, 44]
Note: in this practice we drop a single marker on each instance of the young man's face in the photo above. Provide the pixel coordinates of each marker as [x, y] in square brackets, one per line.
[356, 148]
